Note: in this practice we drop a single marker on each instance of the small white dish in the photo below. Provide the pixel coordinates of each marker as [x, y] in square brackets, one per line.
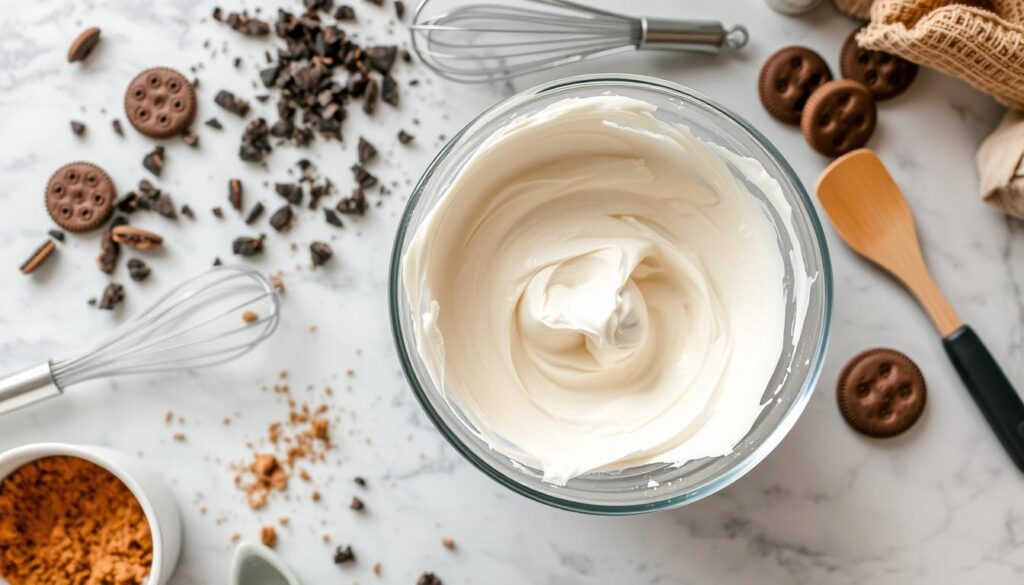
[153, 495]
[255, 564]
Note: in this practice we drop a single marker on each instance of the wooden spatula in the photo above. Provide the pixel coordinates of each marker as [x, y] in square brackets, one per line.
[869, 212]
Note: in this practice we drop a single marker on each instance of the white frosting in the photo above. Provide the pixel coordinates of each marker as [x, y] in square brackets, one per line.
[595, 290]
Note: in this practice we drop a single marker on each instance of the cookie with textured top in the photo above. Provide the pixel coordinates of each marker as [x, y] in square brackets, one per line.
[80, 197]
[883, 74]
[840, 116]
[787, 80]
[160, 102]
[881, 392]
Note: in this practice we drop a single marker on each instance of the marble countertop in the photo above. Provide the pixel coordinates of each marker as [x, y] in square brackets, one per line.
[942, 504]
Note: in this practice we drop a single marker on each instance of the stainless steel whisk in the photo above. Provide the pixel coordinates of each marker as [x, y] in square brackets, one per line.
[482, 42]
[196, 324]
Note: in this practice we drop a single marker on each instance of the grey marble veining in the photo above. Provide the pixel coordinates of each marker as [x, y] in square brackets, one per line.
[941, 504]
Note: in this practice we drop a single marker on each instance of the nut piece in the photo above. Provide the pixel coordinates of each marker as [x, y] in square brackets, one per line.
[83, 45]
[40, 256]
[136, 238]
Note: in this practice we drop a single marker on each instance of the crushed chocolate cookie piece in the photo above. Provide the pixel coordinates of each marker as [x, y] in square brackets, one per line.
[363, 177]
[214, 123]
[254, 213]
[320, 252]
[245, 246]
[404, 137]
[389, 90]
[217, 262]
[344, 555]
[38, 257]
[218, 212]
[164, 205]
[354, 204]
[118, 129]
[235, 193]
[57, 235]
[292, 192]
[112, 296]
[367, 151]
[281, 220]
[357, 504]
[400, 9]
[190, 138]
[229, 102]
[429, 578]
[382, 58]
[345, 12]
[136, 238]
[138, 270]
[250, 316]
[370, 97]
[268, 536]
[255, 142]
[359, 481]
[187, 211]
[77, 127]
[109, 249]
[154, 161]
[332, 217]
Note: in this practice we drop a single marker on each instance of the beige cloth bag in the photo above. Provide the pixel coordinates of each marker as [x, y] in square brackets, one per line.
[1001, 165]
[979, 41]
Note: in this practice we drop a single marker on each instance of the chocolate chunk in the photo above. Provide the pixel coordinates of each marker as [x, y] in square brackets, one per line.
[137, 269]
[116, 124]
[332, 218]
[885, 75]
[229, 102]
[357, 504]
[77, 127]
[881, 392]
[377, 2]
[787, 80]
[382, 58]
[404, 137]
[245, 246]
[344, 555]
[217, 262]
[360, 481]
[840, 116]
[243, 23]
[83, 45]
[429, 578]
[57, 235]
[214, 123]
[136, 238]
[363, 177]
[160, 102]
[354, 204]
[112, 296]
[366, 150]
[190, 138]
[164, 205]
[154, 161]
[235, 193]
[187, 212]
[281, 220]
[321, 252]
[255, 142]
[400, 9]
[109, 249]
[345, 12]
[80, 197]
[370, 97]
[218, 212]
[389, 90]
[41, 254]
[292, 192]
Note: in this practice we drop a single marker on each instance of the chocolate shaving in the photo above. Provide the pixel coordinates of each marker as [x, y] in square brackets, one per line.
[235, 193]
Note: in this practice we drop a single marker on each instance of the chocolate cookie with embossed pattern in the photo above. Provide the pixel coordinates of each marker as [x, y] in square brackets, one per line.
[160, 102]
[881, 392]
[80, 197]
[787, 80]
[883, 74]
[840, 116]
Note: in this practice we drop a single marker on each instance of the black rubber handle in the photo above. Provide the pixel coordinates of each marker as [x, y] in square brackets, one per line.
[987, 383]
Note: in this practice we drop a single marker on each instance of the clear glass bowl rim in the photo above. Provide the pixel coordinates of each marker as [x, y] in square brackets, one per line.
[754, 457]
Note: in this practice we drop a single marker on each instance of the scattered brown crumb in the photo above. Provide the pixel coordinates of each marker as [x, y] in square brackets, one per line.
[235, 537]
[249, 316]
[376, 569]
[283, 521]
[169, 417]
[344, 555]
[180, 437]
[268, 536]
[448, 542]
[277, 281]
[429, 578]
[316, 496]
[357, 504]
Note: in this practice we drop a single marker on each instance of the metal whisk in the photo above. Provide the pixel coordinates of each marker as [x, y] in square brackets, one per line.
[208, 320]
[482, 42]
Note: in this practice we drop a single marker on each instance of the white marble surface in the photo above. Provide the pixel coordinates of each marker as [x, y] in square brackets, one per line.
[942, 504]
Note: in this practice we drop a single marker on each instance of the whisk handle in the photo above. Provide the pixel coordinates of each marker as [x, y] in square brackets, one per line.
[696, 36]
[27, 387]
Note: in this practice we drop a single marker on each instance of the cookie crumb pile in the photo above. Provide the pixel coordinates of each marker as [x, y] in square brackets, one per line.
[66, 520]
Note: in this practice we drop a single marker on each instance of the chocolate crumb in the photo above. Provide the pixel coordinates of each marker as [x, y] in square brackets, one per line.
[320, 252]
[282, 218]
[357, 504]
[229, 102]
[382, 58]
[360, 481]
[365, 179]
[217, 262]
[164, 205]
[118, 129]
[389, 90]
[154, 161]
[370, 97]
[77, 127]
[292, 192]
[254, 213]
[138, 270]
[400, 9]
[255, 142]
[344, 555]
[367, 151]
[332, 218]
[190, 138]
[187, 211]
[218, 212]
[245, 246]
[429, 578]
[345, 12]
[214, 123]
[57, 235]
[404, 137]
[354, 204]
[112, 296]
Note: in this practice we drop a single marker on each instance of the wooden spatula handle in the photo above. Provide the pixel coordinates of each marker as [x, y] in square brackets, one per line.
[990, 388]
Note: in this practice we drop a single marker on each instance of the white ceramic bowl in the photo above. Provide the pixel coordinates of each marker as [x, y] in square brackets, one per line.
[153, 495]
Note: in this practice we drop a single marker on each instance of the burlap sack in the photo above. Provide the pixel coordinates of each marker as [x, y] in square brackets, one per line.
[979, 41]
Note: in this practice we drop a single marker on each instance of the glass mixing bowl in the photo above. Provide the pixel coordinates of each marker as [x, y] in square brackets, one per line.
[627, 491]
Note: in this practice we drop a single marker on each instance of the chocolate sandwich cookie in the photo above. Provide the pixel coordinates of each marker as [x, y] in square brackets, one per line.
[883, 74]
[160, 102]
[787, 80]
[840, 116]
[80, 197]
[83, 44]
[881, 392]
